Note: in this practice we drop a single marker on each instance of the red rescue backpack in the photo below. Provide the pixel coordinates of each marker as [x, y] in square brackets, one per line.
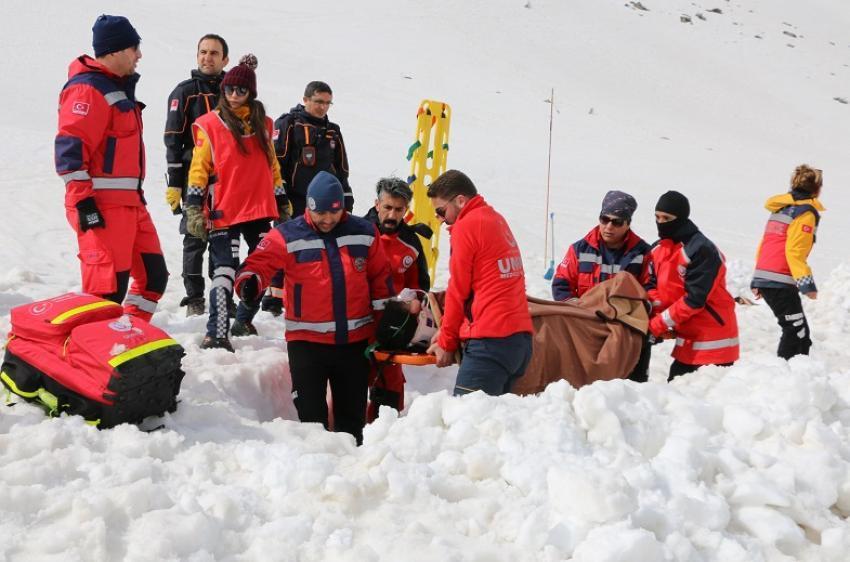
[79, 354]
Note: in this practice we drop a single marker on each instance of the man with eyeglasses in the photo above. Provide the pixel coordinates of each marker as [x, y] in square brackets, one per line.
[610, 247]
[306, 143]
[100, 155]
[192, 98]
[409, 270]
[485, 304]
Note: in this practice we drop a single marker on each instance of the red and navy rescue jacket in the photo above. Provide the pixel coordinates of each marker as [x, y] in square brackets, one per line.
[687, 287]
[586, 264]
[486, 293]
[98, 148]
[333, 281]
[408, 266]
[782, 259]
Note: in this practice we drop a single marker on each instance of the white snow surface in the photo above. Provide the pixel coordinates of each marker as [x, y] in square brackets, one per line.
[747, 463]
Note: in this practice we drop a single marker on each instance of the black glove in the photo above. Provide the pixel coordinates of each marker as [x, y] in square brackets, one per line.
[422, 230]
[250, 289]
[89, 214]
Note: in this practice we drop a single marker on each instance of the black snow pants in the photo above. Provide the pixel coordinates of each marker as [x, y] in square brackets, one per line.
[788, 309]
[312, 366]
[193, 264]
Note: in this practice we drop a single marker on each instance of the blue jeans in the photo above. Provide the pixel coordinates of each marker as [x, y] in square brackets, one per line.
[493, 364]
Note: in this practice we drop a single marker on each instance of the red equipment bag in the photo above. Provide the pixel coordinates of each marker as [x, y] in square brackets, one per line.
[79, 354]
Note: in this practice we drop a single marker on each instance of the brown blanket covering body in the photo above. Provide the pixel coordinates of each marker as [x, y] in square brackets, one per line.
[597, 337]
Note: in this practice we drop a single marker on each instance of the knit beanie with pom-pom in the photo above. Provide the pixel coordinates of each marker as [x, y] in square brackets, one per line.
[243, 75]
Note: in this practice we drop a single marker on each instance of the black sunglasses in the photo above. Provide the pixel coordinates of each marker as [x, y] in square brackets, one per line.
[238, 90]
[603, 219]
[441, 211]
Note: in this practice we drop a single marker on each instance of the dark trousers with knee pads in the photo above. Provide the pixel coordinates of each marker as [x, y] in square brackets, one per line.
[788, 309]
[224, 258]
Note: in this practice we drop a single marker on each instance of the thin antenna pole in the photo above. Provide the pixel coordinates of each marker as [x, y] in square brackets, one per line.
[548, 178]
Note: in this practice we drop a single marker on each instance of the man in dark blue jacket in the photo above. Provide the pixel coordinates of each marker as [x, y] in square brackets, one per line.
[307, 142]
[191, 99]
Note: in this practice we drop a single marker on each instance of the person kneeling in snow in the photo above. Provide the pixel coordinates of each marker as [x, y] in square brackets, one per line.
[336, 276]
[687, 288]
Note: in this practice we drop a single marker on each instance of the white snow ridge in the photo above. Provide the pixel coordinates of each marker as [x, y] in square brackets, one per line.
[720, 101]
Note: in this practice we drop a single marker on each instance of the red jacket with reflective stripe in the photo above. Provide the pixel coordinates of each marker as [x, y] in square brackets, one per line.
[333, 281]
[689, 296]
[99, 149]
[584, 265]
[486, 293]
[244, 190]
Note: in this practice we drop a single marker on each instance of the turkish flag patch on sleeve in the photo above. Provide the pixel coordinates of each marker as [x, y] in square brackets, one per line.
[80, 108]
[807, 228]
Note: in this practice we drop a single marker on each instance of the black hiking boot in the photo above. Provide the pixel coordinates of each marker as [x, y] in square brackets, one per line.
[194, 307]
[272, 305]
[211, 342]
[231, 309]
[241, 329]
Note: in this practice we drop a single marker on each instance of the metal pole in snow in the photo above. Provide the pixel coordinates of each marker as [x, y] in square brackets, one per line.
[551, 270]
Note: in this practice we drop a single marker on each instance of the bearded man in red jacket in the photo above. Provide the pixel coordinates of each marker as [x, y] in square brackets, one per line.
[408, 268]
[485, 309]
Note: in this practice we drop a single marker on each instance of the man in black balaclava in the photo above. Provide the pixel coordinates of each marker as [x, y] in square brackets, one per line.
[687, 288]
[671, 216]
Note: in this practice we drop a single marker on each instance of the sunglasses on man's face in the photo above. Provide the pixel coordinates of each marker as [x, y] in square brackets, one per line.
[238, 90]
[441, 211]
[618, 222]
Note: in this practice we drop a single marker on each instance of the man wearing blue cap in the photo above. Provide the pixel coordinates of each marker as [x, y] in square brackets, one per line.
[336, 276]
[100, 155]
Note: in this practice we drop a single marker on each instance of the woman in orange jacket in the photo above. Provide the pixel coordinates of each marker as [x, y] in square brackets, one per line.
[781, 270]
[235, 189]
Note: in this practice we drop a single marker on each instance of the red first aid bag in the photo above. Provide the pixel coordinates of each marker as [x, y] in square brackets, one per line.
[81, 355]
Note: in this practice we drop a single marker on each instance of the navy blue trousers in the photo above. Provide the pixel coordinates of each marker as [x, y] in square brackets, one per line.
[224, 259]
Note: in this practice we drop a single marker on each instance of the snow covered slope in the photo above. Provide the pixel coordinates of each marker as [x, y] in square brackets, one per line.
[747, 463]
